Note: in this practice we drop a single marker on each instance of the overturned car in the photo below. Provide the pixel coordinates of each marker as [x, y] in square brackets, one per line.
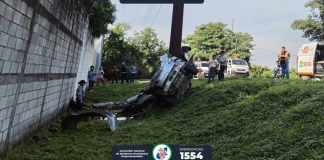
[169, 84]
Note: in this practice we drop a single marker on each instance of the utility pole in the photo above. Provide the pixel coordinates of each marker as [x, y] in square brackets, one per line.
[177, 19]
[176, 30]
[235, 38]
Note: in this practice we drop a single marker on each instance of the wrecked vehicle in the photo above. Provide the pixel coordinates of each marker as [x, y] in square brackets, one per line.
[169, 84]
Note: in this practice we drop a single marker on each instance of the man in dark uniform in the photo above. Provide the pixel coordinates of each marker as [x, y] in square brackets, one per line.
[222, 61]
[184, 53]
[124, 73]
[92, 77]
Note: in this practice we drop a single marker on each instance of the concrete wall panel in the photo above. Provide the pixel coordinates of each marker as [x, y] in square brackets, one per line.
[40, 55]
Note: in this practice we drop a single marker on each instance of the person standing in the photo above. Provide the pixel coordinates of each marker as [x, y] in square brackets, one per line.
[212, 69]
[124, 73]
[222, 61]
[184, 53]
[283, 58]
[100, 77]
[92, 76]
[114, 74]
[133, 74]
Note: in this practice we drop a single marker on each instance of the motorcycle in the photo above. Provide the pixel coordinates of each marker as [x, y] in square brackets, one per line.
[278, 72]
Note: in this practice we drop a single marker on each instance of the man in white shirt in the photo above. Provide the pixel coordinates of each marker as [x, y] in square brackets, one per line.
[212, 69]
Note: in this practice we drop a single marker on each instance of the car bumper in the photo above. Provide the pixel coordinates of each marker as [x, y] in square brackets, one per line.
[241, 72]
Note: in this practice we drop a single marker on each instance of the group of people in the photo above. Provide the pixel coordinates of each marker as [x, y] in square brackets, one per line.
[217, 65]
[124, 74]
[93, 77]
[127, 74]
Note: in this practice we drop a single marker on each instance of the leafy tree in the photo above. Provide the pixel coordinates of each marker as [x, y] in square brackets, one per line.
[143, 49]
[116, 48]
[313, 24]
[99, 12]
[210, 39]
[150, 48]
[101, 16]
[243, 44]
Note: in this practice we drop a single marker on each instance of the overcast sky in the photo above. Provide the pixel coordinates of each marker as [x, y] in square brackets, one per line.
[268, 21]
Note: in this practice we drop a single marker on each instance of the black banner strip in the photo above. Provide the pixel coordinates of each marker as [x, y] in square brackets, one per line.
[6, 79]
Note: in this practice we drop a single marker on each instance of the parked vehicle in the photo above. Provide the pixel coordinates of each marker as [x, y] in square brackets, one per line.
[311, 61]
[203, 66]
[237, 67]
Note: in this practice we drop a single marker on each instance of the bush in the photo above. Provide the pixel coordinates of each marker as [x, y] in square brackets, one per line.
[258, 71]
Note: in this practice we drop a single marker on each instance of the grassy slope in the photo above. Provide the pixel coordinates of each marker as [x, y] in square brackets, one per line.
[241, 119]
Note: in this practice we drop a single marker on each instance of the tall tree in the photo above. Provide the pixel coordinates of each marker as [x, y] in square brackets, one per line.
[116, 46]
[99, 12]
[242, 45]
[150, 48]
[143, 49]
[101, 15]
[313, 24]
[209, 39]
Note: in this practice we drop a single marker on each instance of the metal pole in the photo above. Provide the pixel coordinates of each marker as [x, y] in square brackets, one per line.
[235, 39]
[176, 30]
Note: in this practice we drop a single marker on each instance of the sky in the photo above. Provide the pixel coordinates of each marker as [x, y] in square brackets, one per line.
[268, 21]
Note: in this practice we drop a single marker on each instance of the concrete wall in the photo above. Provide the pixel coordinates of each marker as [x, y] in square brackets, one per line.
[39, 60]
[87, 58]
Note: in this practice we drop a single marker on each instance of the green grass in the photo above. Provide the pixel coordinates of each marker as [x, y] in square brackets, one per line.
[240, 119]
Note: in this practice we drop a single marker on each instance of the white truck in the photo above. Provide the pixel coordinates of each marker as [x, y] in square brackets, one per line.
[310, 61]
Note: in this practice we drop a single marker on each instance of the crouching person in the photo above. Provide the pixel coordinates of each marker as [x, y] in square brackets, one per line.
[80, 95]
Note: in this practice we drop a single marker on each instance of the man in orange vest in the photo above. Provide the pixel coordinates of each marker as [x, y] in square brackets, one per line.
[283, 58]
